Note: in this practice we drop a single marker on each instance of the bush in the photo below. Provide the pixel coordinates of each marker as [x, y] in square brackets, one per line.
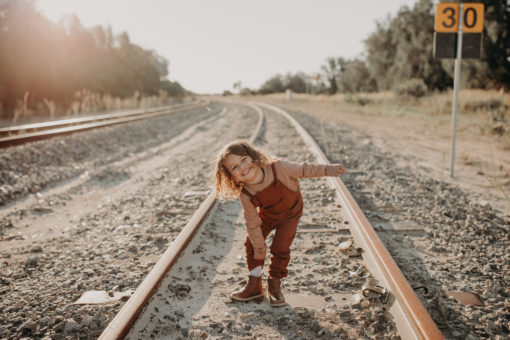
[246, 92]
[355, 99]
[496, 124]
[497, 121]
[485, 105]
[413, 88]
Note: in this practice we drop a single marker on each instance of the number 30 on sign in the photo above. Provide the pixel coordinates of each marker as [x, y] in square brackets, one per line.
[447, 17]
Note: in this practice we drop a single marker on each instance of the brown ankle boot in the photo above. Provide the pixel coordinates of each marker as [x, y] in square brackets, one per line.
[252, 290]
[276, 297]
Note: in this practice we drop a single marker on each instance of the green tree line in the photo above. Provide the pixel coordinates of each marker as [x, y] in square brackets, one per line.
[400, 51]
[41, 61]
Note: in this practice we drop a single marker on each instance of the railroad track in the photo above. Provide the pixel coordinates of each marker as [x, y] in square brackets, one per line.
[15, 135]
[202, 258]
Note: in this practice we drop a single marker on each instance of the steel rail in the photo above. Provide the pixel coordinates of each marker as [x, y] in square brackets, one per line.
[68, 126]
[411, 317]
[5, 131]
[122, 322]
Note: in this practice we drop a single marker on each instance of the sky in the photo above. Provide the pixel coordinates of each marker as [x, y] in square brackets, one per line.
[211, 44]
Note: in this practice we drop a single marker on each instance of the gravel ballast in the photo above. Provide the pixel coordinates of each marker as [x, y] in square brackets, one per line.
[106, 232]
[95, 210]
[323, 288]
[464, 246]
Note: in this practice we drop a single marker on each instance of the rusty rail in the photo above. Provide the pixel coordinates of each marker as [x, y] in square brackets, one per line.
[121, 324]
[412, 319]
[16, 135]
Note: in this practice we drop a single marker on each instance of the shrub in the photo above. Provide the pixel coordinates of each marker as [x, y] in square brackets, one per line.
[496, 124]
[412, 88]
[497, 121]
[246, 92]
[491, 104]
[355, 99]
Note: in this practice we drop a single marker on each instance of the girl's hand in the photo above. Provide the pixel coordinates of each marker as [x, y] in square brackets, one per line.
[341, 170]
[260, 253]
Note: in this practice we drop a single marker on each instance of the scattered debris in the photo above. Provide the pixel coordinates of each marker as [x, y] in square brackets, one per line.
[196, 193]
[354, 252]
[95, 297]
[344, 246]
[358, 272]
[466, 298]
[381, 292]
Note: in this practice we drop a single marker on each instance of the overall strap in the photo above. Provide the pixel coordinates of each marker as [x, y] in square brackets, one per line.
[253, 199]
[274, 174]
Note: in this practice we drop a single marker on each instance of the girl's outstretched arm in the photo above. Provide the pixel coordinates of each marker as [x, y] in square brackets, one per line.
[310, 170]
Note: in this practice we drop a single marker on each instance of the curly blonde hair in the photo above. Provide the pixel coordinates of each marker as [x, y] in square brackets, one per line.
[226, 185]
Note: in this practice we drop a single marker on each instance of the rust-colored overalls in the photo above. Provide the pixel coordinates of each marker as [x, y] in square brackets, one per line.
[279, 208]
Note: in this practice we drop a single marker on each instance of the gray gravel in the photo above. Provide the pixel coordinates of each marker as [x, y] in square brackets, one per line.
[322, 289]
[32, 167]
[110, 244]
[463, 246]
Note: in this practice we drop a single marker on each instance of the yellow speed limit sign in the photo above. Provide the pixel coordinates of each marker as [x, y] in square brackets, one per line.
[447, 17]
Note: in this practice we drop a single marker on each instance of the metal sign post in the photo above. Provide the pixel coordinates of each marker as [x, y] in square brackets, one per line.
[453, 23]
[456, 81]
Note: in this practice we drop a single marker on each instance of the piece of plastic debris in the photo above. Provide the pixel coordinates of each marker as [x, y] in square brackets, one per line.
[345, 245]
[95, 297]
[467, 298]
[358, 272]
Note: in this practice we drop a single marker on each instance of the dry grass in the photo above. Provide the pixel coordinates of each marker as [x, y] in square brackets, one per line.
[436, 103]
[90, 102]
[85, 102]
[476, 107]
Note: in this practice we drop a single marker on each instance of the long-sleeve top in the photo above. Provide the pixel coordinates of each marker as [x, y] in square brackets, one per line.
[288, 173]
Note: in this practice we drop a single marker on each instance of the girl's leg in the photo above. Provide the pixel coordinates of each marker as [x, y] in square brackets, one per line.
[252, 263]
[280, 248]
[253, 288]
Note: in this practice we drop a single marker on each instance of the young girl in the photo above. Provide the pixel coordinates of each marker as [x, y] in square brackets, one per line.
[268, 189]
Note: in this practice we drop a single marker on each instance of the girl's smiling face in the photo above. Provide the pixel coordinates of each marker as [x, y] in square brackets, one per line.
[243, 168]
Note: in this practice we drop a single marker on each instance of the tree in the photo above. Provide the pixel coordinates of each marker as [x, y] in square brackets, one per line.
[173, 89]
[40, 60]
[332, 69]
[295, 82]
[273, 85]
[24, 37]
[401, 49]
[381, 49]
[356, 78]
[238, 85]
[496, 43]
